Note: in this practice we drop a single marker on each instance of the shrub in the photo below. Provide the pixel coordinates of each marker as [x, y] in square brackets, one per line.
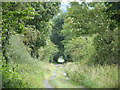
[46, 53]
[80, 49]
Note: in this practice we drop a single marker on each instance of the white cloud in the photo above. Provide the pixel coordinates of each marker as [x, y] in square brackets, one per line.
[88, 0]
[65, 3]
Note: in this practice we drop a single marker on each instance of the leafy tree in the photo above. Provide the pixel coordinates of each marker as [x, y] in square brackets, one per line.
[23, 38]
[42, 23]
[92, 22]
[113, 9]
[56, 35]
[14, 16]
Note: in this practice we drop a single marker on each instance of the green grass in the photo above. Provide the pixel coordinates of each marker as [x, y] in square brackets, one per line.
[93, 76]
[28, 75]
[28, 72]
[60, 80]
[34, 74]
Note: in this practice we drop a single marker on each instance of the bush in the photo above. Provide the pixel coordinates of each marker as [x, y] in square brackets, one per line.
[106, 46]
[79, 49]
[46, 53]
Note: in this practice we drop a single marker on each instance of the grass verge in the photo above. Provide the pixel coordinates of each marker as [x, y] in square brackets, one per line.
[23, 71]
[93, 76]
[60, 80]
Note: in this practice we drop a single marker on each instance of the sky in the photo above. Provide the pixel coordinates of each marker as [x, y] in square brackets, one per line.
[65, 4]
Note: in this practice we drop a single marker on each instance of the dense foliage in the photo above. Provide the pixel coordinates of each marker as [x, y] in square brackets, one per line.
[56, 35]
[91, 42]
[36, 33]
[90, 21]
[26, 29]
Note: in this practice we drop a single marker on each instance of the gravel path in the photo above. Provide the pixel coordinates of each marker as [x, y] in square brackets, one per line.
[46, 82]
[48, 85]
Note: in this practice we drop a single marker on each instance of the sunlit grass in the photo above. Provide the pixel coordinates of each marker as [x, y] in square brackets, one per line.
[60, 80]
[34, 74]
[94, 76]
[28, 72]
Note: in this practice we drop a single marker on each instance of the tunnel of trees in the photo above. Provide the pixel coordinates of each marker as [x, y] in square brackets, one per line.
[35, 33]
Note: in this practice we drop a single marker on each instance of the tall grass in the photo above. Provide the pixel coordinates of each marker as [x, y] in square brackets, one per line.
[34, 73]
[24, 71]
[93, 76]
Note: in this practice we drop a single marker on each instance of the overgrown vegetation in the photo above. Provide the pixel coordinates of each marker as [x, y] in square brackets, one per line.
[56, 35]
[22, 68]
[26, 44]
[93, 76]
[91, 40]
[82, 25]
[34, 34]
